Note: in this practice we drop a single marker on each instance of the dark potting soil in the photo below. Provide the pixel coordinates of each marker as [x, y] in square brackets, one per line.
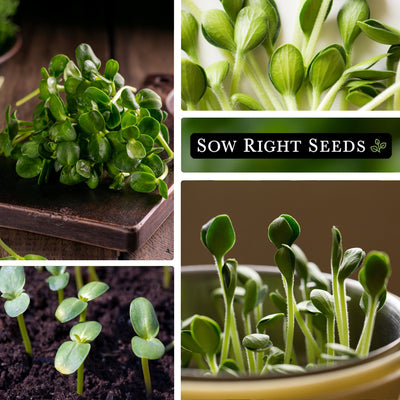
[112, 371]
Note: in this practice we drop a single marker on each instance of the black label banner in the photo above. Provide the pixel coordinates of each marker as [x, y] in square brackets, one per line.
[290, 145]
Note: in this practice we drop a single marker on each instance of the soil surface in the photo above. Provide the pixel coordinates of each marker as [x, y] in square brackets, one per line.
[112, 371]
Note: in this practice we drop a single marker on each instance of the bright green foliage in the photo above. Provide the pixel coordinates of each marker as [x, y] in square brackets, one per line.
[80, 138]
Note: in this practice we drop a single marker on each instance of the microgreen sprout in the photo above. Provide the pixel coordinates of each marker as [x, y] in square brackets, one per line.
[299, 74]
[320, 312]
[12, 282]
[71, 307]
[100, 126]
[71, 355]
[58, 280]
[145, 345]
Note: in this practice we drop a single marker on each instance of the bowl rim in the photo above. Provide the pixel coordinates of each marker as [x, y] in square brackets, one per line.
[192, 374]
[13, 49]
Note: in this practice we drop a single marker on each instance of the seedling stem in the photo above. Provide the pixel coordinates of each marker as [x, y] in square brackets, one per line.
[24, 334]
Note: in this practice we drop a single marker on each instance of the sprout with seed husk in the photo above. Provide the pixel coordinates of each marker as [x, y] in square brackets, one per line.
[12, 282]
[58, 280]
[71, 355]
[145, 346]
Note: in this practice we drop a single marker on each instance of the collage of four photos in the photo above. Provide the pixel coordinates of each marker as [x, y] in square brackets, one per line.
[199, 200]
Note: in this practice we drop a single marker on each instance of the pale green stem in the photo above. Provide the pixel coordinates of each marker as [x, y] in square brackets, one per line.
[396, 99]
[330, 333]
[260, 356]
[308, 55]
[382, 97]
[27, 97]
[191, 106]
[60, 294]
[329, 98]
[166, 278]
[290, 320]
[297, 32]
[250, 354]
[344, 104]
[366, 336]
[237, 349]
[146, 376]
[10, 251]
[276, 105]
[222, 97]
[338, 308]
[211, 361]
[237, 72]
[316, 97]
[192, 7]
[168, 150]
[306, 332]
[82, 316]
[118, 94]
[79, 380]
[93, 275]
[24, 334]
[344, 314]
[78, 278]
[290, 101]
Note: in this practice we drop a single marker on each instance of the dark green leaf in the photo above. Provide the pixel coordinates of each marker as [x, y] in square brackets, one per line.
[28, 167]
[143, 318]
[67, 153]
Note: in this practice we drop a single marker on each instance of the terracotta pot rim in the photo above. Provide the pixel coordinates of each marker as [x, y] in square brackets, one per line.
[13, 50]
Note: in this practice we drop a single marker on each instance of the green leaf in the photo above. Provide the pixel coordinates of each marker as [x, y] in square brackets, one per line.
[69, 309]
[128, 99]
[351, 12]
[163, 188]
[283, 230]
[99, 148]
[352, 260]
[275, 356]
[56, 270]
[285, 260]
[250, 29]
[58, 282]
[218, 235]
[62, 132]
[324, 302]
[85, 332]
[369, 74]
[189, 34]
[247, 101]
[149, 126]
[301, 262]
[92, 290]
[269, 320]
[327, 67]
[84, 52]
[143, 318]
[151, 349]
[337, 250]
[250, 297]
[380, 32]
[28, 167]
[217, 72]
[375, 273]
[309, 13]
[97, 95]
[58, 64]
[33, 257]
[12, 281]
[286, 69]
[57, 107]
[135, 149]
[207, 334]
[147, 98]
[67, 153]
[218, 30]
[70, 176]
[83, 168]
[232, 7]
[70, 356]
[92, 122]
[155, 163]
[111, 69]
[17, 306]
[193, 81]
[188, 343]
[257, 342]
[71, 70]
[229, 278]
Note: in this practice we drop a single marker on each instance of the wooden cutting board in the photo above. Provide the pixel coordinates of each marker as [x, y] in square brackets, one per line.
[122, 220]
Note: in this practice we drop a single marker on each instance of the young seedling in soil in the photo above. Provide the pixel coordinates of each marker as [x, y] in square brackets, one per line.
[58, 281]
[15, 256]
[12, 282]
[71, 307]
[318, 314]
[71, 355]
[145, 345]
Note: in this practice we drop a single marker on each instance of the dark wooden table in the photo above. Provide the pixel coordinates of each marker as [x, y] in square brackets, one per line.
[142, 42]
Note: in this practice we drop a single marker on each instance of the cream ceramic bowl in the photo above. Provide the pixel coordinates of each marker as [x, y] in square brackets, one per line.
[375, 377]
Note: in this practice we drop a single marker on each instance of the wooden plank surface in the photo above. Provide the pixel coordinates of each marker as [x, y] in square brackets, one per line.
[56, 212]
